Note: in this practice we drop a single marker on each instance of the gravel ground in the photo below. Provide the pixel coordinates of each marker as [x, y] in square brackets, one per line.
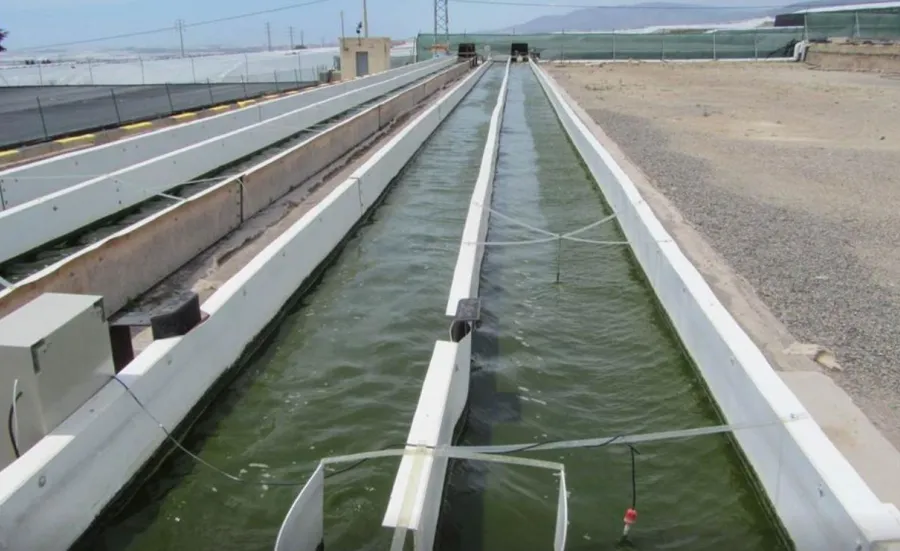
[794, 177]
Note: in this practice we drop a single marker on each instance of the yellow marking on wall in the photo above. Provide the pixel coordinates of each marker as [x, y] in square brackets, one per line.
[270, 96]
[137, 125]
[184, 116]
[9, 153]
[76, 139]
[246, 102]
[220, 108]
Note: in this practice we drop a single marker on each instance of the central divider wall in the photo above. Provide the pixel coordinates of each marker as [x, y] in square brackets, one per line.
[416, 495]
[127, 263]
[57, 214]
[822, 501]
[52, 493]
[28, 182]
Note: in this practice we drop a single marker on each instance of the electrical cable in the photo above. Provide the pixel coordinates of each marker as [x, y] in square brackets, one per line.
[653, 7]
[12, 420]
[207, 464]
[170, 29]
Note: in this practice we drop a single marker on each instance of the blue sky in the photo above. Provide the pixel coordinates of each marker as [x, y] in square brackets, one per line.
[40, 22]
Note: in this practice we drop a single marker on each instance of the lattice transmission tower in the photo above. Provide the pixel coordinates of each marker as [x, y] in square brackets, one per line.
[441, 23]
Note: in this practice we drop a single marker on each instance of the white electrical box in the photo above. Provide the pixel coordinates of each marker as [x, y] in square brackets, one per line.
[55, 354]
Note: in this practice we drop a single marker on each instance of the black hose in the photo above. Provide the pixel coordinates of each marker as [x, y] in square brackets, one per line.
[9, 425]
[633, 477]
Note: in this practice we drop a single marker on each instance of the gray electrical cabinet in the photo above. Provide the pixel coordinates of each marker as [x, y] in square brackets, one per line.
[54, 355]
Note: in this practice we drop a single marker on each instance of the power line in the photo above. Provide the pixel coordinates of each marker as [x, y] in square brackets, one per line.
[180, 28]
[666, 7]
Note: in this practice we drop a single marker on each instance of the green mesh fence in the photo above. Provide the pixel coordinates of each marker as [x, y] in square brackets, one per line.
[877, 24]
[686, 45]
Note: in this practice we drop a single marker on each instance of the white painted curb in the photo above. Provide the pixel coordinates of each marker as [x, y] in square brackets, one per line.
[50, 495]
[822, 501]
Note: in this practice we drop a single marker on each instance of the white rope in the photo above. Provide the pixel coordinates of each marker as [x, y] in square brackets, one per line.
[552, 237]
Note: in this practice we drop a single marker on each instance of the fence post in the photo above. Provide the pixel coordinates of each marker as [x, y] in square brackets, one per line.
[91, 70]
[715, 55]
[43, 120]
[756, 45]
[244, 84]
[143, 79]
[662, 46]
[169, 95]
[614, 44]
[275, 74]
[112, 93]
[297, 78]
[209, 87]
[40, 73]
[246, 67]
[193, 70]
[856, 29]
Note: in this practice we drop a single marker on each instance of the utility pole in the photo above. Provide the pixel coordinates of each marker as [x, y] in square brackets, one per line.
[269, 35]
[342, 28]
[179, 26]
[365, 20]
[441, 22]
[291, 31]
[301, 38]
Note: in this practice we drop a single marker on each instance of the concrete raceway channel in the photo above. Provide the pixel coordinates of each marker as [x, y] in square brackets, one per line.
[246, 283]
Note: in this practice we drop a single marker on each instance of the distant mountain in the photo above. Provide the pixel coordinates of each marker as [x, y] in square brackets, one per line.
[652, 14]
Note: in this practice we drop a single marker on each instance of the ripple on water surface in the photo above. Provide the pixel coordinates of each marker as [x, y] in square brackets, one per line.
[342, 374]
[591, 356]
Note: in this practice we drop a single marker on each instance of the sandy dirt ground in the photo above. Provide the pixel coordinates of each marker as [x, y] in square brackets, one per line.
[793, 175]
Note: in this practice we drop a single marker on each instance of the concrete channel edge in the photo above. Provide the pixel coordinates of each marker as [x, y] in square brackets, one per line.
[44, 219]
[416, 494]
[28, 182]
[819, 497]
[53, 493]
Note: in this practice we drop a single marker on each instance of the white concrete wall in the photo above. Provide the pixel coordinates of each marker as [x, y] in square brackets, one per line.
[416, 495]
[54, 491]
[59, 213]
[821, 500]
[28, 182]
[467, 273]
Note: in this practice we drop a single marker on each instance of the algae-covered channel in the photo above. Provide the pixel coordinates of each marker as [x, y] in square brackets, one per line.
[588, 356]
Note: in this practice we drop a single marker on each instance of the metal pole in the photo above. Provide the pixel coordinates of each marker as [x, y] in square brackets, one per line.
[40, 73]
[299, 64]
[179, 25]
[91, 70]
[275, 74]
[856, 16]
[662, 51]
[365, 20]
[269, 35]
[112, 93]
[209, 87]
[755, 45]
[342, 28]
[291, 32]
[43, 120]
[297, 78]
[169, 95]
[193, 70]
[715, 55]
[246, 67]
[614, 44]
[244, 84]
[143, 79]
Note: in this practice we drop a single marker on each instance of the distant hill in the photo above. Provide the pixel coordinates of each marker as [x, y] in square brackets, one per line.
[652, 14]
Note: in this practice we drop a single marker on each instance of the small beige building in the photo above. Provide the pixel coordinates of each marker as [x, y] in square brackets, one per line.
[364, 56]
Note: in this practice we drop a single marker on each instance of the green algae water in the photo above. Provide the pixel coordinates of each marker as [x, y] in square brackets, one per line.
[341, 375]
[590, 356]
